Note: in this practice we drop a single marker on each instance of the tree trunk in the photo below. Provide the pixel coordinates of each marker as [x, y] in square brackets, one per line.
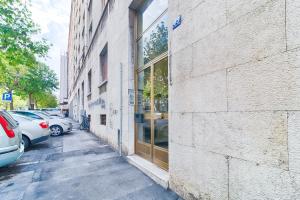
[31, 104]
[11, 104]
[35, 103]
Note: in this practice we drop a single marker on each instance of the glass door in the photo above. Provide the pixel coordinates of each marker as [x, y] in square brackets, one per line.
[152, 113]
[143, 114]
[160, 113]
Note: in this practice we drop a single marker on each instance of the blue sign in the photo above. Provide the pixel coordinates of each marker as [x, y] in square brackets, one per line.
[7, 97]
[177, 22]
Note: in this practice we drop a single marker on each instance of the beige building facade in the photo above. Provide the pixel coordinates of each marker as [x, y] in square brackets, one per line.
[208, 92]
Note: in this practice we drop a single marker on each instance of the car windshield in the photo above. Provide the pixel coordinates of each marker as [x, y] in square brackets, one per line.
[28, 114]
[20, 117]
[45, 115]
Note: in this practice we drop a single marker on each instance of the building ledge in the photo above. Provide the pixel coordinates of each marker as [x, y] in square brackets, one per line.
[159, 175]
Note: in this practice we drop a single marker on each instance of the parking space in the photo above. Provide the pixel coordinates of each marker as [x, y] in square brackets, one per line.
[77, 166]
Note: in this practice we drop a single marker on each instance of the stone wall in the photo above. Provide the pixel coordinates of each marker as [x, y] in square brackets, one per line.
[235, 99]
[113, 31]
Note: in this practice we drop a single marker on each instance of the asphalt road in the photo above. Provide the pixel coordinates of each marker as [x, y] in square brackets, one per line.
[76, 166]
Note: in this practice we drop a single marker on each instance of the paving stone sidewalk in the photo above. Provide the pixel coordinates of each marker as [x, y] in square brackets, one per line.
[76, 166]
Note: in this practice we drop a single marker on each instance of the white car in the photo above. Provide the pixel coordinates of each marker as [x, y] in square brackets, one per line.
[52, 111]
[11, 146]
[33, 130]
[57, 125]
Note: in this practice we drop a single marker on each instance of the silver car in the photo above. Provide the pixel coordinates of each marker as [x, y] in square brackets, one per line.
[33, 130]
[57, 125]
[11, 146]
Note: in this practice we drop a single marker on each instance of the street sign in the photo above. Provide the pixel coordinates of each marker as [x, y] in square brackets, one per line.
[7, 97]
[177, 22]
[131, 97]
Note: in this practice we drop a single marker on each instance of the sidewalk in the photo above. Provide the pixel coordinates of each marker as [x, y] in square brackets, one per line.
[77, 166]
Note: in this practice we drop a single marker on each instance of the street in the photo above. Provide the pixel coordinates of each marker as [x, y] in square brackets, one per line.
[77, 166]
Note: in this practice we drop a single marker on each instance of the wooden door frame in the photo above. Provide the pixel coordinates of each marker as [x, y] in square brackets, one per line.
[152, 126]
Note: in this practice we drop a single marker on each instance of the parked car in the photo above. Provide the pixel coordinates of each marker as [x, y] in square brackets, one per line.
[57, 125]
[11, 146]
[52, 111]
[33, 130]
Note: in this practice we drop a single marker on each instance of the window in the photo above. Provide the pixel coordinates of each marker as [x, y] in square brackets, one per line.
[103, 4]
[103, 64]
[90, 6]
[103, 120]
[91, 30]
[152, 39]
[28, 114]
[90, 82]
[82, 32]
[82, 89]
[12, 123]
[78, 98]
[149, 13]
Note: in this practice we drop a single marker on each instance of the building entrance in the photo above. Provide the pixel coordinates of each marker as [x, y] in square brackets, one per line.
[152, 112]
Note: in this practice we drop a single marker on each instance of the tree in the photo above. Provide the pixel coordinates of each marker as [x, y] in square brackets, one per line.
[17, 29]
[46, 100]
[18, 49]
[37, 82]
[157, 43]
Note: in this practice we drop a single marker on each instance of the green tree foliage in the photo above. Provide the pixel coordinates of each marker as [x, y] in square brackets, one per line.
[17, 29]
[47, 100]
[19, 50]
[157, 43]
[19, 102]
[37, 82]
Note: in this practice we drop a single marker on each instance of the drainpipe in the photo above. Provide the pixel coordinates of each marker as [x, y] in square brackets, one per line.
[120, 131]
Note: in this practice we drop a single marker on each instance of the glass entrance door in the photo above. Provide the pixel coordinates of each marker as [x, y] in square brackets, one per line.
[152, 113]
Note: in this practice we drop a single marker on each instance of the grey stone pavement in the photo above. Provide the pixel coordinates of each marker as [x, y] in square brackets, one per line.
[77, 166]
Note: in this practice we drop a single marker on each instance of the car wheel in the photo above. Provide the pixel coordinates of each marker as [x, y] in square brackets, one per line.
[56, 130]
[25, 141]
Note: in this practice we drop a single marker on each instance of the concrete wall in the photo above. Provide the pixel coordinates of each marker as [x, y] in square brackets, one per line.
[234, 99]
[234, 94]
[63, 83]
[115, 32]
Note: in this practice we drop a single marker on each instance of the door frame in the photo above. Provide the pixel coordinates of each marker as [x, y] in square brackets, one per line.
[152, 147]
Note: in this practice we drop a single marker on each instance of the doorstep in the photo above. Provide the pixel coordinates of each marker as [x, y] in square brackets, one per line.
[159, 175]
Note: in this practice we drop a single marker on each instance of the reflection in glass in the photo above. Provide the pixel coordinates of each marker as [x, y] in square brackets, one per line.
[161, 133]
[144, 131]
[154, 42]
[160, 86]
[144, 91]
[144, 106]
[149, 13]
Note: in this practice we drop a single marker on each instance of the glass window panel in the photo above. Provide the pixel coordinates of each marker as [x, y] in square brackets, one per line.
[154, 42]
[144, 106]
[144, 130]
[161, 133]
[144, 91]
[160, 85]
[151, 10]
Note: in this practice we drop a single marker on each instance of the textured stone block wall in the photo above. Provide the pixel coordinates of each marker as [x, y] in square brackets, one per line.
[234, 99]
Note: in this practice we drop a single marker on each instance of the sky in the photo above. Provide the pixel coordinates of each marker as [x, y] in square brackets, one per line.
[53, 19]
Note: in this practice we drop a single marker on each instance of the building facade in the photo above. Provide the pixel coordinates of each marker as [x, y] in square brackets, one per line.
[63, 83]
[205, 91]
